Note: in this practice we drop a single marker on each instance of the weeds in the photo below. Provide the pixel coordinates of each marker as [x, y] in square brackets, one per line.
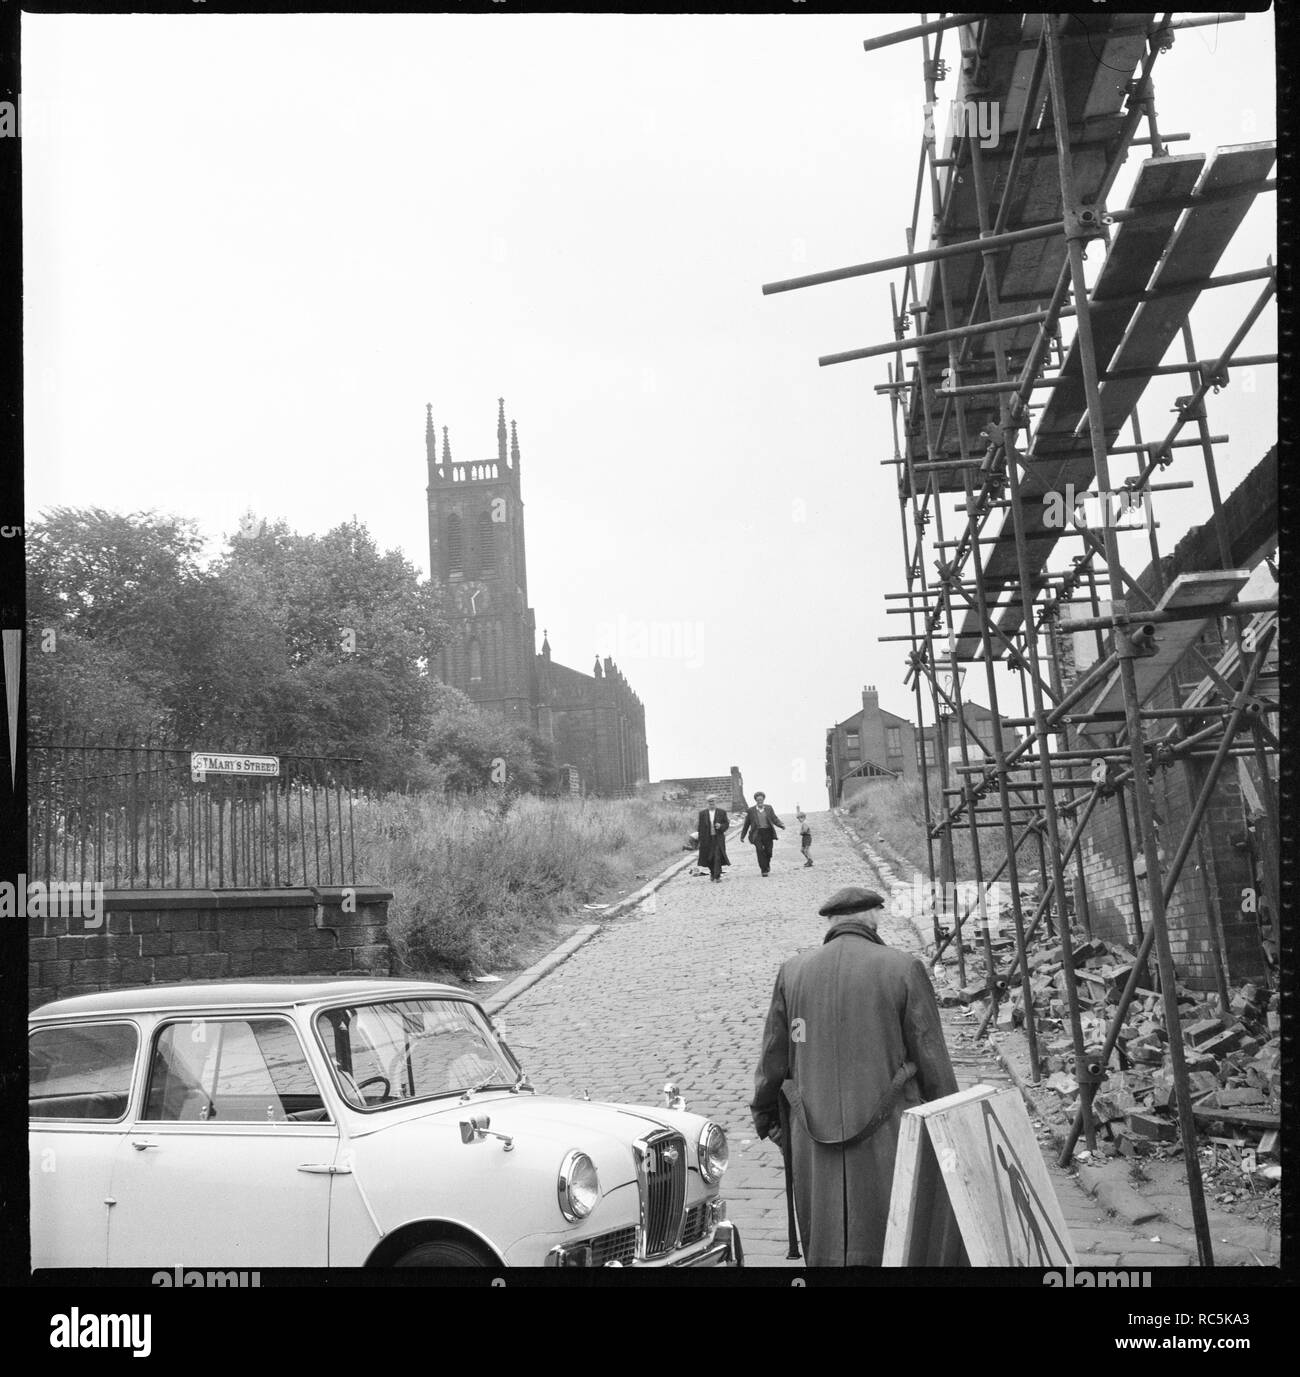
[895, 812]
[472, 878]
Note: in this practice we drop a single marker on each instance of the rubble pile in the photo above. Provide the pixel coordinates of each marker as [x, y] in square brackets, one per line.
[1234, 1059]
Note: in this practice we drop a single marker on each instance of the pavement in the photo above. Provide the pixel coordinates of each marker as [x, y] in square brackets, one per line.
[677, 988]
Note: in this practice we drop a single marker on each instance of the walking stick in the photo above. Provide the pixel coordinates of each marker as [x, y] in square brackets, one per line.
[792, 1230]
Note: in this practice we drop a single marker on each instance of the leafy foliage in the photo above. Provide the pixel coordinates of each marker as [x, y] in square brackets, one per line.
[286, 643]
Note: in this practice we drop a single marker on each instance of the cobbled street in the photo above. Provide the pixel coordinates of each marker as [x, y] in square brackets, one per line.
[678, 990]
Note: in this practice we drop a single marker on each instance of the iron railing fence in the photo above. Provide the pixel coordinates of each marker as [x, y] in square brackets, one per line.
[141, 816]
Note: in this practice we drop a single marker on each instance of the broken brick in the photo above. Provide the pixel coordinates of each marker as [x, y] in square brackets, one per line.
[1227, 1041]
[1202, 1082]
[1148, 1126]
[1108, 1105]
[1226, 1099]
[1200, 1033]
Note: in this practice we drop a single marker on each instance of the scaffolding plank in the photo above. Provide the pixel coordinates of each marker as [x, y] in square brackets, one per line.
[1173, 639]
[1134, 254]
[1262, 585]
[1097, 72]
[1199, 239]
[1194, 252]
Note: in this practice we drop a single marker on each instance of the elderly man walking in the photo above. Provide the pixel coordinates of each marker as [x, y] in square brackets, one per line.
[712, 836]
[852, 1039]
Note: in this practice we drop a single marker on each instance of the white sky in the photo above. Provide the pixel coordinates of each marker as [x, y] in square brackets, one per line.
[256, 246]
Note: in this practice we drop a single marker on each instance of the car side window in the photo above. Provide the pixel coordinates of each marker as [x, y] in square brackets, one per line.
[81, 1071]
[231, 1071]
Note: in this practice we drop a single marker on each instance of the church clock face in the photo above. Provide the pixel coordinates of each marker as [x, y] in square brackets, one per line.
[471, 599]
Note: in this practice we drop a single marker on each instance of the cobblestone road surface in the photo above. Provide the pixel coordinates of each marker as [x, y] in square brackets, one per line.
[678, 990]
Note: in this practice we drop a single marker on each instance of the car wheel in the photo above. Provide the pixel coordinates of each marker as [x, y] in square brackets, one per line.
[443, 1253]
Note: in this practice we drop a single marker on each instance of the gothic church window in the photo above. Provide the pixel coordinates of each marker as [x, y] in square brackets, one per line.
[475, 662]
[487, 544]
[455, 545]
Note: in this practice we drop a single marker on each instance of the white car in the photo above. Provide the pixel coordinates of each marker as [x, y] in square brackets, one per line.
[342, 1123]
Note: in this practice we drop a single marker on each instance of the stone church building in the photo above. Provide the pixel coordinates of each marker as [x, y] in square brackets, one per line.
[595, 723]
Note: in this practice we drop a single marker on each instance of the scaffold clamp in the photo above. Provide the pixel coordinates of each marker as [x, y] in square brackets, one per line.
[1086, 221]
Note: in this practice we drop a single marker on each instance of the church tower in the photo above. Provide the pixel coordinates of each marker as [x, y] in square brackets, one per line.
[477, 559]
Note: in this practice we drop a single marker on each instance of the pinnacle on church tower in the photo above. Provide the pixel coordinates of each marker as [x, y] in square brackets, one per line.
[514, 447]
[430, 438]
[446, 446]
[501, 431]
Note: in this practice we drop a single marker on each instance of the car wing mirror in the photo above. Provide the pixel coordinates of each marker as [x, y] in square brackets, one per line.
[475, 1129]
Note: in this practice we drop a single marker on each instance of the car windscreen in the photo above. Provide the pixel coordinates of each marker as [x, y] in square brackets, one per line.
[411, 1049]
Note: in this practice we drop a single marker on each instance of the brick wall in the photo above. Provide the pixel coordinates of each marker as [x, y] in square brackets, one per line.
[730, 789]
[156, 936]
[1218, 868]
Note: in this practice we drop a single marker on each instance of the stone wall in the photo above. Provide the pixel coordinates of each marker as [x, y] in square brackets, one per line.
[147, 937]
[730, 790]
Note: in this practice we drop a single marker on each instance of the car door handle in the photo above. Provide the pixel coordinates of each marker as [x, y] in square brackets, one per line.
[139, 1144]
[325, 1169]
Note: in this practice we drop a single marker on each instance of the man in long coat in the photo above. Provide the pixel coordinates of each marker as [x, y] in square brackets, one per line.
[712, 830]
[852, 1039]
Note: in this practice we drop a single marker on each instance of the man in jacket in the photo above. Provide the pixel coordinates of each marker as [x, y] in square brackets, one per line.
[712, 831]
[759, 823]
[852, 1039]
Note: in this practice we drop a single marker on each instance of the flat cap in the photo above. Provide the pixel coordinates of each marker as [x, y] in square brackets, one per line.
[850, 899]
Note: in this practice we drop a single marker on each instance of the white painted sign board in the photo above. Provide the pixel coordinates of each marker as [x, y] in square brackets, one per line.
[220, 763]
[971, 1187]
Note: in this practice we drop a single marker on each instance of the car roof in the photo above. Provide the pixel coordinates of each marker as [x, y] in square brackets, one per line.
[240, 993]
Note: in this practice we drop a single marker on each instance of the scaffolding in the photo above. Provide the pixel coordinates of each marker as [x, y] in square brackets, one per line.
[995, 413]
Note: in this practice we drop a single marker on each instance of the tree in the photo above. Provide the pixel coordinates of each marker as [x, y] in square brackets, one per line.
[110, 616]
[290, 644]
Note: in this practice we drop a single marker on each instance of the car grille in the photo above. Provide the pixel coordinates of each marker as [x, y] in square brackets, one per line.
[619, 1245]
[697, 1223]
[663, 1181]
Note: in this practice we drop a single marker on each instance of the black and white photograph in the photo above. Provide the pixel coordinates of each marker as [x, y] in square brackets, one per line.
[644, 649]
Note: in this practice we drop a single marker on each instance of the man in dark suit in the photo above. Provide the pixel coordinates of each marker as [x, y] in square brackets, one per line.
[712, 828]
[760, 822]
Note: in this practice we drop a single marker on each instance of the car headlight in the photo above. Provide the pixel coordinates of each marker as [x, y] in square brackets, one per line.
[578, 1187]
[713, 1153]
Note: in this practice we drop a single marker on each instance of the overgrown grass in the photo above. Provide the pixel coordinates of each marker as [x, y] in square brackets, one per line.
[474, 880]
[896, 812]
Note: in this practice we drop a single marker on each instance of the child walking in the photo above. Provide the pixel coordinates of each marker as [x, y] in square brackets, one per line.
[805, 837]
